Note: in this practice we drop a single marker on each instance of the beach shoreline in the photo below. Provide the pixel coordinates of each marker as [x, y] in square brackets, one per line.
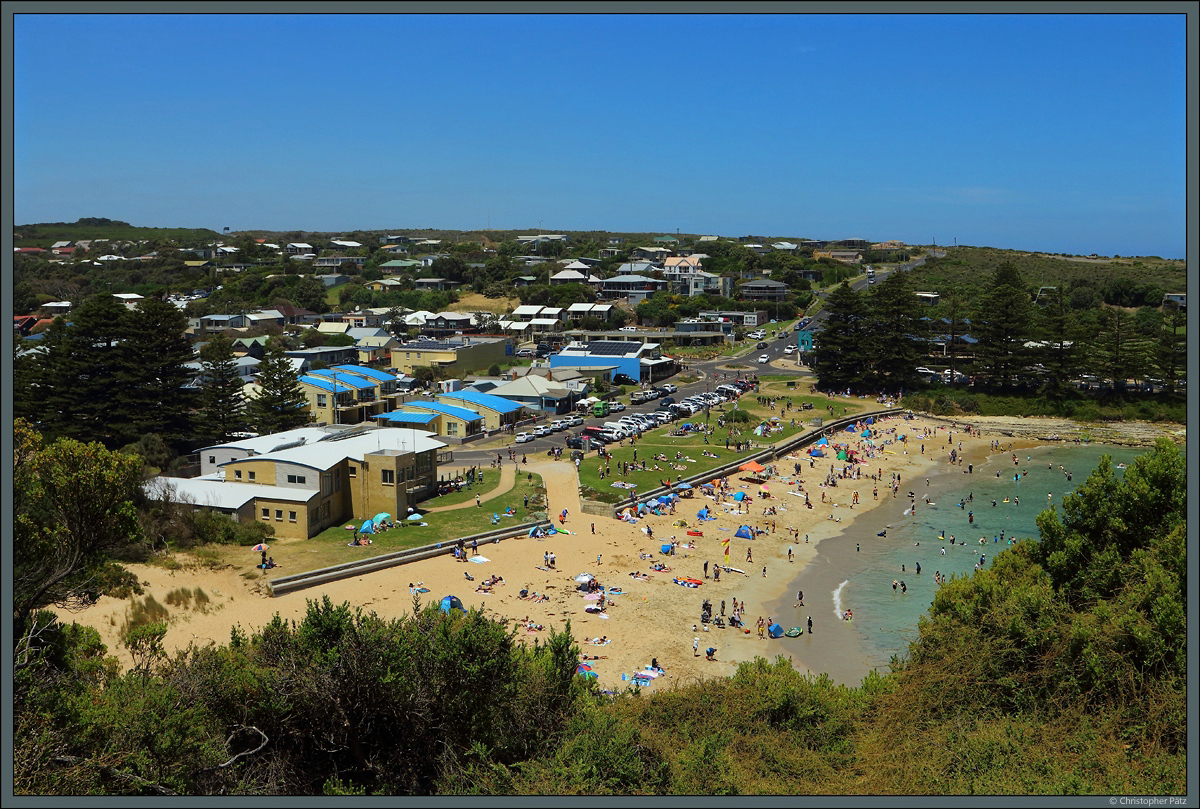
[653, 618]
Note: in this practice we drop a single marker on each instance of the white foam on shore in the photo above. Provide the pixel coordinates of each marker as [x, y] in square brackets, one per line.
[837, 599]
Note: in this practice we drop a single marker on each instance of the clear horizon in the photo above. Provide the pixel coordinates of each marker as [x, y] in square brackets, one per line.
[1046, 132]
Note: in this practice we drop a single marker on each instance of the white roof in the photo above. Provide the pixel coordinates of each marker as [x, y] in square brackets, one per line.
[527, 309]
[325, 454]
[214, 492]
[545, 321]
[300, 245]
[127, 296]
[341, 243]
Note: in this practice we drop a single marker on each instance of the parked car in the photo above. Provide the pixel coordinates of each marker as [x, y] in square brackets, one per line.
[616, 407]
[623, 379]
[669, 388]
[525, 352]
[764, 359]
[558, 425]
[542, 430]
[573, 421]
[522, 438]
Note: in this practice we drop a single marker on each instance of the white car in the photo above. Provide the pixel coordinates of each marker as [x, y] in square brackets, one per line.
[558, 425]
[616, 407]
[542, 430]
[789, 349]
[523, 438]
[764, 359]
[574, 421]
[669, 388]
[627, 328]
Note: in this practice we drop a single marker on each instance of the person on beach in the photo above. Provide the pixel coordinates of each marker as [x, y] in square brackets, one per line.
[810, 624]
[696, 647]
[799, 598]
[895, 584]
[761, 627]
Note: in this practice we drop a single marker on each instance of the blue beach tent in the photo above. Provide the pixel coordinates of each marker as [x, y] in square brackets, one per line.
[775, 631]
[451, 603]
[745, 532]
[368, 527]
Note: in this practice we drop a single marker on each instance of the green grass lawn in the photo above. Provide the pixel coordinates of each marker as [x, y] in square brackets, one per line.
[660, 441]
[330, 548]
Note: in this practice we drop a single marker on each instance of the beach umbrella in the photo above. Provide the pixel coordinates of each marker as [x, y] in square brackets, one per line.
[824, 442]
[683, 486]
[739, 496]
[582, 667]
[414, 517]
[750, 466]
[706, 485]
[764, 488]
[260, 548]
[588, 675]
[582, 577]
[663, 499]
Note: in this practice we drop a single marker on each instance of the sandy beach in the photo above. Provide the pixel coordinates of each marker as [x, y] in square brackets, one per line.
[653, 617]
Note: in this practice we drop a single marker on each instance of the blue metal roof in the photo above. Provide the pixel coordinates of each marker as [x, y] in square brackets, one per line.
[401, 417]
[448, 410]
[350, 380]
[325, 384]
[497, 403]
[363, 370]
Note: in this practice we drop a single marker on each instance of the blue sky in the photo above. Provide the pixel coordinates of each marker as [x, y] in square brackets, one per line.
[1063, 133]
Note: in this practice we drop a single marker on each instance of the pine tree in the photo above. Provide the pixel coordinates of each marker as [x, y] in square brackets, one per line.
[843, 348]
[1170, 348]
[901, 333]
[1118, 350]
[222, 406]
[76, 376]
[154, 357]
[281, 404]
[1058, 328]
[1003, 323]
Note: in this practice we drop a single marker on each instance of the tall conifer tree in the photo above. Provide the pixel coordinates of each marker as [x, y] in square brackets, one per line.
[222, 405]
[281, 404]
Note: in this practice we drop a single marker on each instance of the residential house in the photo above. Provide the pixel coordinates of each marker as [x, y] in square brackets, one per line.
[578, 311]
[749, 320]
[324, 355]
[844, 256]
[1175, 300]
[538, 393]
[434, 284]
[457, 355]
[376, 348]
[636, 288]
[446, 420]
[298, 249]
[498, 413]
[655, 254]
[384, 284]
[337, 261]
[763, 290]
[130, 299]
[398, 265]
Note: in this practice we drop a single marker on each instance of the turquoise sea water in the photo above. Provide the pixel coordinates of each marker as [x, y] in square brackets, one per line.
[855, 570]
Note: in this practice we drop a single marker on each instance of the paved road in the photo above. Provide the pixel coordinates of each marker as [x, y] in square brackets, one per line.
[706, 371]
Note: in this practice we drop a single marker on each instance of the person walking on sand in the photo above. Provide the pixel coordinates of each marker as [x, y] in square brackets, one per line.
[810, 624]
[695, 647]
[789, 553]
[761, 627]
[748, 556]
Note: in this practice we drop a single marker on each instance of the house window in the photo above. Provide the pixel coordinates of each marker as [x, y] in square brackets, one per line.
[237, 474]
[279, 514]
[389, 477]
[251, 476]
[296, 478]
[352, 471]
[320, 400]
[212, 458]
[452, 428]
[266, 513]
[291, 516]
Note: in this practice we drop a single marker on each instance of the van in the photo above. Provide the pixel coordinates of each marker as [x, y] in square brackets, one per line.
[600, 409]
